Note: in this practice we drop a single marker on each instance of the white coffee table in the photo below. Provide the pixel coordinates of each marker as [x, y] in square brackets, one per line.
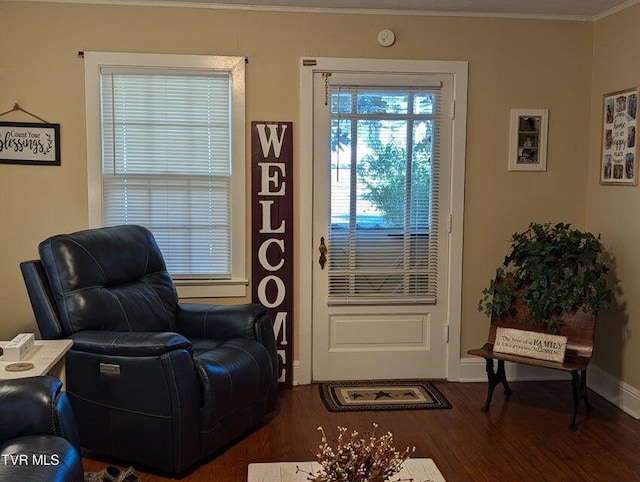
[420, 470]
[47, 357]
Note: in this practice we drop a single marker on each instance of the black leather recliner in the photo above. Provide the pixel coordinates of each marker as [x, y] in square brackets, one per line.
[38, 434]
[151, 381]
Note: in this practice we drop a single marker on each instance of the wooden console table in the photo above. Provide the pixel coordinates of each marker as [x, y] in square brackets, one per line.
[47, 357]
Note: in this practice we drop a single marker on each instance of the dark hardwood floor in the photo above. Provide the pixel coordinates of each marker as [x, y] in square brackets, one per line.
[522, 438]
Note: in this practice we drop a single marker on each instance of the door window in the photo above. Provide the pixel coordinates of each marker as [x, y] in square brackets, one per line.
[384, 185]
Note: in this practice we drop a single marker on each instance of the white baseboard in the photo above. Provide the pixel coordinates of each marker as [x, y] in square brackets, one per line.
[474, 370]
[621, 394]
[296, 373]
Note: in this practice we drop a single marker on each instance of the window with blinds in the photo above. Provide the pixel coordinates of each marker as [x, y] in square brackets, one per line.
[384, 194]
[166, 163]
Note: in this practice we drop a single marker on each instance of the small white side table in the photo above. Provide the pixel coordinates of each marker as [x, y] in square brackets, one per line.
[47, 357]
[419, 470]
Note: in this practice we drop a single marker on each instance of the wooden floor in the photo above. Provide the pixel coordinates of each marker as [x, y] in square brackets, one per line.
[522, 438]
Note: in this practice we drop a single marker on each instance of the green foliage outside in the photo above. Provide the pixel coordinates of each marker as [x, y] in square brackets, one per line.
[384, 173]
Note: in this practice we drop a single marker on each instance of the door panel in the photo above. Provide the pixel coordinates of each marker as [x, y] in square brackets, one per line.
[380, 215]
[382, 331]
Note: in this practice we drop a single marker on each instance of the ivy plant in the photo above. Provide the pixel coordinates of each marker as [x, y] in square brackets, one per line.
[554, 270]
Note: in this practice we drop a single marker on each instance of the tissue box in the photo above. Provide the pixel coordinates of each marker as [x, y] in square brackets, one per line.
[18, 348]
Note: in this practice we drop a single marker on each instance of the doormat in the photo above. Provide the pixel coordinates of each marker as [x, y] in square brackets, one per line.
[381, 395]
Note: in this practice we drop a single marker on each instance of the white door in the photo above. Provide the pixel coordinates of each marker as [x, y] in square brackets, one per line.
[381, 222]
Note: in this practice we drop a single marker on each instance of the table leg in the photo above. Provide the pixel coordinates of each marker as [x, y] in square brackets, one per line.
[494, 379]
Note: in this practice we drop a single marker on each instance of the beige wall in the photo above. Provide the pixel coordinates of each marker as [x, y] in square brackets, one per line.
[512, 64]
[613, 210]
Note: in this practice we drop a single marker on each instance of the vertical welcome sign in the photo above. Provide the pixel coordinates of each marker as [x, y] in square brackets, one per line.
[272, 233]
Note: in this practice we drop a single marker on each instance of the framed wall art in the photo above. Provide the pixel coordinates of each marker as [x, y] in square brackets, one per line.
[30, 143]
[528, 139]
[619, 153]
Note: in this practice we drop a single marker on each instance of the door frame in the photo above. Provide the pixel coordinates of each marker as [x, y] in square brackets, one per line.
[304, 212]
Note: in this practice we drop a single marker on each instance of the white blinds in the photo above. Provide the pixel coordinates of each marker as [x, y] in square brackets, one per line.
[383, 232]
[166, 163]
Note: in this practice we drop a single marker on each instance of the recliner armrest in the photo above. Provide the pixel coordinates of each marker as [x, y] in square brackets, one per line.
[35, 406]
[220, 322]
[131, 344]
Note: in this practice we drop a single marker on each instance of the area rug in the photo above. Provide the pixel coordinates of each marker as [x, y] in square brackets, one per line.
[381, 395]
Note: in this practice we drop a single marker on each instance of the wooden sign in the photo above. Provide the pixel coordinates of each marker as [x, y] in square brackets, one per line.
[30, 143]
[532, 344]
[272, 233]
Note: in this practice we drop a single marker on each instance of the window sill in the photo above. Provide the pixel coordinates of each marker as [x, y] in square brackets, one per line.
[236, 288]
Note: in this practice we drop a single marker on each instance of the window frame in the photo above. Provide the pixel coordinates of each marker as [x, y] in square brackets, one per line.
[236, 286]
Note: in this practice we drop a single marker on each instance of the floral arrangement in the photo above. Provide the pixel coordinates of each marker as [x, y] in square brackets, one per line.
[358, 459]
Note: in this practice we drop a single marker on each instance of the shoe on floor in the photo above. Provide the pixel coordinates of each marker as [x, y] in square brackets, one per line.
[127, 475]
[112, 474]
[108, 474]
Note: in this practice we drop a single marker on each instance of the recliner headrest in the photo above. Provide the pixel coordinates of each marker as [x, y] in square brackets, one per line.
[111, 278]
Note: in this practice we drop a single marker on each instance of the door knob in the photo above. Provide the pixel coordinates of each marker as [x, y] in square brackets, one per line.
[323, 253]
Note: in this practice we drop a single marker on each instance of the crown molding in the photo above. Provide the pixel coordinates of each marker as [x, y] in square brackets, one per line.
[344, 11]
[619, 8]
